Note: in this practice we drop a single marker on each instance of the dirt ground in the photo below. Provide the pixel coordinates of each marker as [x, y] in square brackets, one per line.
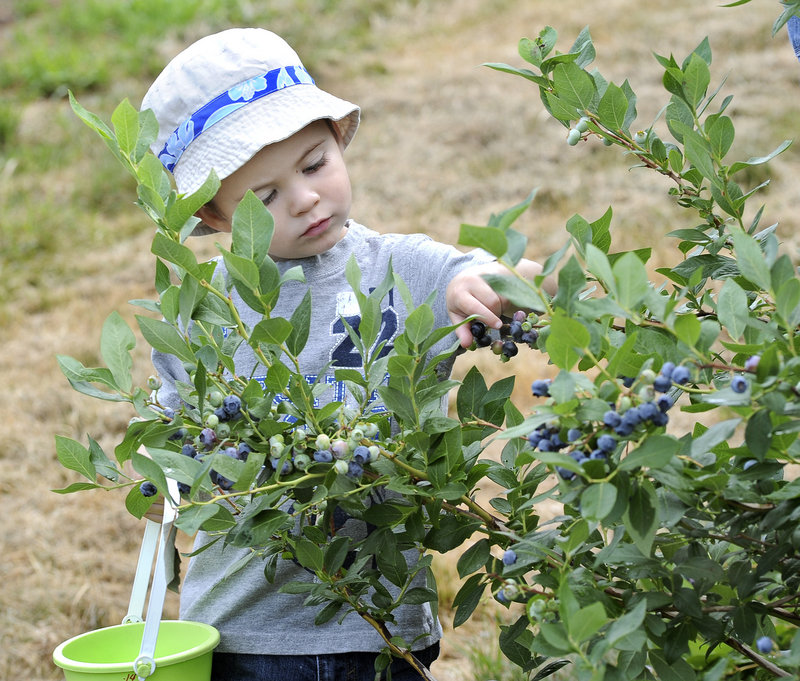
[443, 141]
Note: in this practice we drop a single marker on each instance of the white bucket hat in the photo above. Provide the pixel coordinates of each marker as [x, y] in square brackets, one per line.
[229, 95]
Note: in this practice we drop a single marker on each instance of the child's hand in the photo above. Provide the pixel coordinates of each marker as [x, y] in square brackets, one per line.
[468, 294]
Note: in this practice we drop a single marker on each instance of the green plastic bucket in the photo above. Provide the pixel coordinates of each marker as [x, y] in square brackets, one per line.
[183, 652]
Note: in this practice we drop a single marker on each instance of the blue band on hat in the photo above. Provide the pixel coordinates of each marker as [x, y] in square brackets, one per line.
[225, 104]
[793, 26]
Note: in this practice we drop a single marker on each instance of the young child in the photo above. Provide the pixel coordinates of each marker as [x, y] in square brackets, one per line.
[241, 103]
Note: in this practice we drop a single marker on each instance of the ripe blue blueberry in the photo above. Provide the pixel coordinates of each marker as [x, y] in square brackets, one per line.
[573, 434]
[222, 482]
[628, 381]
[598, 455]
[648, 411]
[515, 330]
[510, 348]
[323, 456]
[623, 429]
[564, 473]
[354, 469]
[612, 418]
[664, 402]
[632, 417]
[667, 368]
[534, 438]
[681, 375]
[184, 489]
[477, 329]
[662, 383]
[660, 419]
[739, 384]
[530, 337]
[764, 644]
[148, 489]
[189, 450]
[556, 441]
[509, 557]
[232, 405]
[179, 434]
[541, 387]
[208, 437]
[545, 445]
[361, 454]
[243, 450]
[749, 464]
[606, 443]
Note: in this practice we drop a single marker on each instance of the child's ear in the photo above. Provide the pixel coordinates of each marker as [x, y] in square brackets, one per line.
[213, 218]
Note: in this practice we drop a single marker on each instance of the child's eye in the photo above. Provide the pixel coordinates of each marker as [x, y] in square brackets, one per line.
[269, 198]
[314, 167]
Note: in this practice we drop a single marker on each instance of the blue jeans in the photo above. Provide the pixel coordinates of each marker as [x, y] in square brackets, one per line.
[333, 667]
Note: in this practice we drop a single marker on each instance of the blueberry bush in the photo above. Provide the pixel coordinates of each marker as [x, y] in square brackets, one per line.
[676, 554]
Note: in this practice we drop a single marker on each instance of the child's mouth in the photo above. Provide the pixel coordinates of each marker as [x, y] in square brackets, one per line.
[317, 228]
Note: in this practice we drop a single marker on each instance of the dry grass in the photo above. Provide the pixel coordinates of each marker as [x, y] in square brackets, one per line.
[443, 141]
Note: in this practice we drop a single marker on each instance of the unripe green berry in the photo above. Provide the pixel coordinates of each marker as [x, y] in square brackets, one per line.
[322, 441]
[583, 124]
[374, 453]
[215, 398]
[153, 382]
[607, 141]
[212, 420]
[497, 347]
[573, 137]
[301, 461]
[647, 376]
[223, 430]
[357, 434]
[341, 466]
[640, 137]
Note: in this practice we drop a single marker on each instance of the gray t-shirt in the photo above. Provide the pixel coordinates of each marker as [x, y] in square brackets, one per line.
[250, 613]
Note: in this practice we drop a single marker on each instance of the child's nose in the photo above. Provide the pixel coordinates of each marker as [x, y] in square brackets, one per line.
[303, 198]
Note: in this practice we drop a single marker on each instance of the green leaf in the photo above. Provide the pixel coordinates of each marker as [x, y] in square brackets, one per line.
[655, 452]
[641, 516]
[419, 324]
[309, 554]
[626, 625]
[721, 134]
[75, 457]
[716, 434]
[165, 338]
[696, 77]
[468, 598]
[491, 239]
[787, 303]
[301, 325]
[574, 86]
[176, 253]
[598, 500]
[116, 342]
[474, 558]
[125, 120]
[631, 279]
[587, 622]
[750, 259]
[687, 328]
[612, 108]
[567, 337]
[252, 228]
[732, 308]
[758, 160]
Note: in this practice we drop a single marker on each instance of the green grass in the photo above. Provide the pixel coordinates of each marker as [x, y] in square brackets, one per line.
[60, 190]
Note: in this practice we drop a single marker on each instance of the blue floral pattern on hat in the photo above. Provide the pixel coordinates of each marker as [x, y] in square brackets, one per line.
[223, 105]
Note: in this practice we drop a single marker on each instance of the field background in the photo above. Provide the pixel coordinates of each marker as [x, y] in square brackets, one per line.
[443, 141]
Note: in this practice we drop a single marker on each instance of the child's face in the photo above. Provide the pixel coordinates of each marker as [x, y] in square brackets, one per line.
[303, 181]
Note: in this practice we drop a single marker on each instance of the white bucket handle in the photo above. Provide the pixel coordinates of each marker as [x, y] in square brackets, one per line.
[155, 536]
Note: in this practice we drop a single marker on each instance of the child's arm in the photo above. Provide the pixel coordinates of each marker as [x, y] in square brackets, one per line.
[469, 294]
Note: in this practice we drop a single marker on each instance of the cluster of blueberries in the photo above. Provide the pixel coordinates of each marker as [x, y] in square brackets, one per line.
[519, 330]
[347, 455]
[620, 424]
